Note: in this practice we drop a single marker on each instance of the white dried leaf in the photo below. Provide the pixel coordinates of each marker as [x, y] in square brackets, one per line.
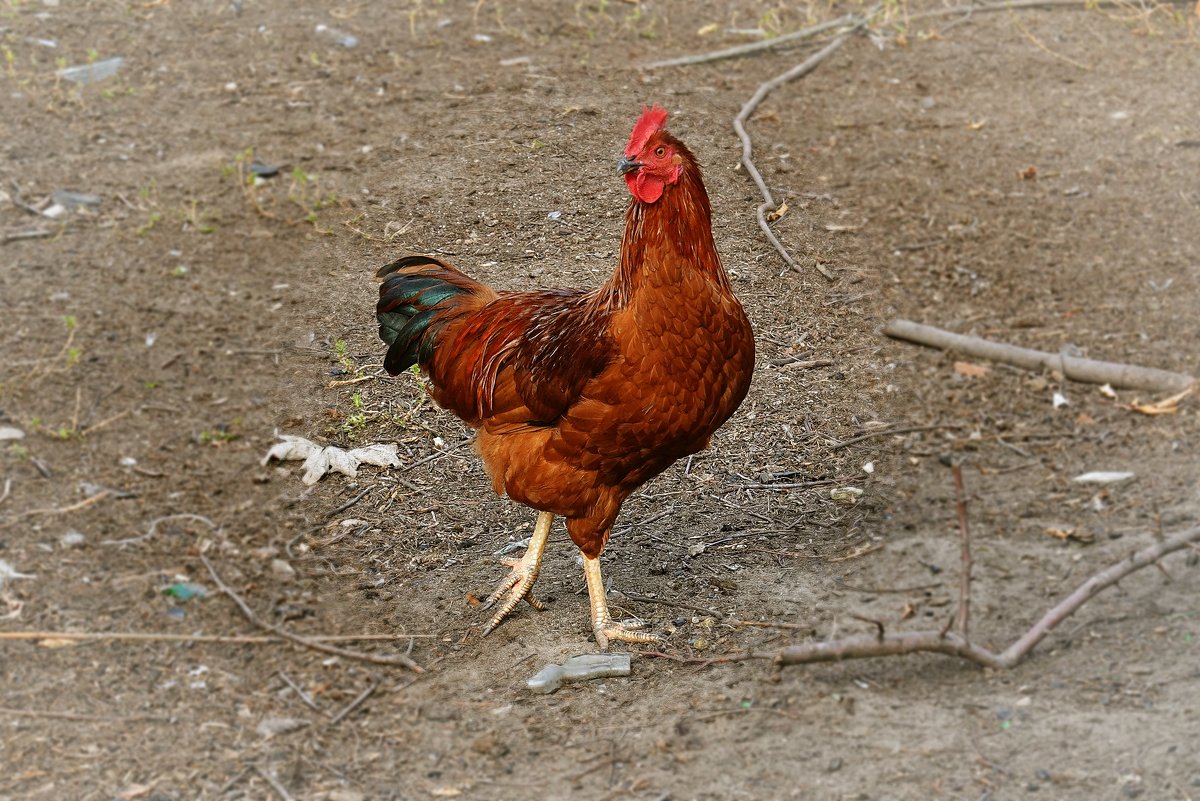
[342, 462]
[291, 448]
[1060, 400]
[1103, 477]
[7, 572]
[379, 455]
[316, 466]
[8, 432]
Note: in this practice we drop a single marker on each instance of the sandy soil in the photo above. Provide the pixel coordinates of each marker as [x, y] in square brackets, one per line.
[154, 343]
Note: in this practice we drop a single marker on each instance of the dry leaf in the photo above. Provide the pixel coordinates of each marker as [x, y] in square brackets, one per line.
[1108, 392]
[135, 791]
[57, 642]
[472, 600]
[840, 229]
[707, 29]
[1028, 174]
[972, 370]
[909, 610]
[1079, 535]
[1165, 406]
[975, 126]
[779, 212]
[445, 792]
[1085, 419]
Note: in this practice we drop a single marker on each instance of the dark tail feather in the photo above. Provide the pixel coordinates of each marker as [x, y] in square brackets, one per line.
[409, 302]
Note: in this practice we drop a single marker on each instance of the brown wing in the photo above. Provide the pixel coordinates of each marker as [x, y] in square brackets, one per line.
[522, 359]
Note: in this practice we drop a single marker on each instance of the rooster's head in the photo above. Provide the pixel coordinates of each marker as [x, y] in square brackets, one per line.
[653, 158]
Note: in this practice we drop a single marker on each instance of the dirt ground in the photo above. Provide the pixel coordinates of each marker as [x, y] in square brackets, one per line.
[156, 342]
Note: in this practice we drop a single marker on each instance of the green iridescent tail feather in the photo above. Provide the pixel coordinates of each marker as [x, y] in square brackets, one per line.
[414, 290]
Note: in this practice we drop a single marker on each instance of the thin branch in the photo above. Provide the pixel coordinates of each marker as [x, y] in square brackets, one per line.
[963, 618]
[299, 691]
[31, 233]
[81, 716]
[355, 704]
[883, 432]
[154, 527]
[954, 644]
[755, 47]
[61, 510]
[739, 125]
[240, 639]
[275, 785]
[1088, 371]
[306, 642]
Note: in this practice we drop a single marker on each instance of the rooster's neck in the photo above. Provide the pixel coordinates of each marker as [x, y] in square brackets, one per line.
[668, 242]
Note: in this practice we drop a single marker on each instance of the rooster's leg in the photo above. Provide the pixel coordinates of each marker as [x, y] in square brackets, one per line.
[519, 583]
[603, 626]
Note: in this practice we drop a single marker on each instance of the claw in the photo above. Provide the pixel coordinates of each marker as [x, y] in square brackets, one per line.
[624, 630]
[519, 583]
[604, 628]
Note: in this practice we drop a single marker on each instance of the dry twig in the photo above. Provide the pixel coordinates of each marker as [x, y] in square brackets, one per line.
[1088, 371]
[355, 704]
[757, 47]
[61, 510]
[239, 639]
[963, 618]
[739, 125]
[154, 527]
[306, 642]
[954, 644]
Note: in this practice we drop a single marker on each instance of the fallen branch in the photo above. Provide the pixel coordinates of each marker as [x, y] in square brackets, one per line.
[883, 432]
[154, 527]
[756, 47]
[1088, 371]
[962, 618]
[955, 644]
[60, 510]
[306, 642]
[739, 125]
[240, 639]
[32, 233]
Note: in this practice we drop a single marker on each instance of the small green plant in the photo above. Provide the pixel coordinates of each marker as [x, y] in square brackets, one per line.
[342, 352]
[148, 226]
[353, 424]
[18, 451]
[151, 384]
[199, 218]
[216, 437]
[356, 401]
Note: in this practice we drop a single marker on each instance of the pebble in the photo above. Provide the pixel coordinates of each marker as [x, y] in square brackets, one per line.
[282, 570]
[269, 727]
[72, 539]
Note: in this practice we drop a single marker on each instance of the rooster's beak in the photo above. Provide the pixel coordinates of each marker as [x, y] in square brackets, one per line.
[627, 164]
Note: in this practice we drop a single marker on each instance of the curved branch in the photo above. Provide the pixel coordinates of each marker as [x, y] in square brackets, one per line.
[755, 47]
[952, 644]
[739, 125]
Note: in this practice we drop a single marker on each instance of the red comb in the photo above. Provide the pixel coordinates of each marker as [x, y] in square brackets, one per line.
[652, 119]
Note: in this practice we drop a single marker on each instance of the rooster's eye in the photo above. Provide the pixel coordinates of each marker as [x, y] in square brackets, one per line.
[660, 151]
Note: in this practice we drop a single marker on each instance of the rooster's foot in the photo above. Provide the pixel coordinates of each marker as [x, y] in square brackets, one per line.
[519, 583]
[603, 626]
[624, 630]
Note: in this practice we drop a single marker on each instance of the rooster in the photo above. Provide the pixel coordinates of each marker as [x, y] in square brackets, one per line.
[580, 397]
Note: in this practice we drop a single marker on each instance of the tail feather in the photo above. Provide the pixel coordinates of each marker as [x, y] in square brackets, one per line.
[416, 299]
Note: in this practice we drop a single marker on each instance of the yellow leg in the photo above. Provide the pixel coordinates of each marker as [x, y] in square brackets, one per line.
[519, 583]
[603, 626]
